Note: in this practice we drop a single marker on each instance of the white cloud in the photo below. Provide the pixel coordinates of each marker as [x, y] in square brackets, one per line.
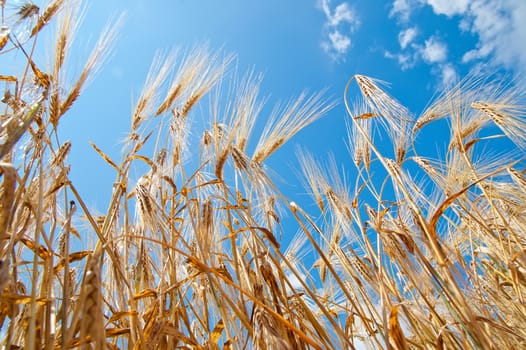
[402, 9]
[340, 23]
[342, 13]
[448, 7]
[501, 29]
[434, 51]
[339, 42]
[405, 60]
[406, 37]
[449, 75]
[499, 26]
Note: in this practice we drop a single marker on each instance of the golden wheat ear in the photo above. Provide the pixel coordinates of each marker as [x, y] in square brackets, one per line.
[98, 56]
[287, 121]
[46, 16]
[16, 125]
[88, 319]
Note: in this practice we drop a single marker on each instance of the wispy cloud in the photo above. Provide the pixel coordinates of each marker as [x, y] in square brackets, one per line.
[448, 7]
[498, 24]
[405, 60]
[339, 42]
[434, 50]
[499, 27]
[407, 36]
[402, 9]
[448, 74]
[340, 23]
[342, 13]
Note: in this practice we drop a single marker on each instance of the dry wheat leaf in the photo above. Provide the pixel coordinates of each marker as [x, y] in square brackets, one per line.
[72, 258]
[395, 330]
[145, 294]
[121, 314]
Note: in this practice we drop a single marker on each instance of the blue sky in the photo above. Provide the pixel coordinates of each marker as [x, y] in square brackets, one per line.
[418, 46]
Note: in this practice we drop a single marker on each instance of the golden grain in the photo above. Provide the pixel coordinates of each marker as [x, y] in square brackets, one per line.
[46, 16]
[196, 253]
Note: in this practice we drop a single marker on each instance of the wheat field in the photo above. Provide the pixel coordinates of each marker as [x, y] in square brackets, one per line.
[414, 251]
